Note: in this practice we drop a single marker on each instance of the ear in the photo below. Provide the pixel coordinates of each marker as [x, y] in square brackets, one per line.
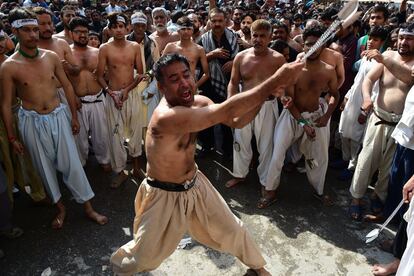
[160, 87]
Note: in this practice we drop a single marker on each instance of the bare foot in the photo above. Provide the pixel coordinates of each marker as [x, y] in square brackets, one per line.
[106, 168]
[262, 272]
[233, 182]
[93, 215]
[57, 222]
[386, 269]
[267, 199]
[96, 217]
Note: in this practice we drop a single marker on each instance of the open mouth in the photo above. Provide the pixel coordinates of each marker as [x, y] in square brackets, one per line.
[187, 95]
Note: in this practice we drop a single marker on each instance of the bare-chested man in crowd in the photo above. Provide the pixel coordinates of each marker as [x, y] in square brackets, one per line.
[56, 45]
[121, 58]
[161, 35]
[176, 197]
[46, 126]
[192, 51]
[197, 32]
[91, 116]
[306, 121]
[250, 68]
[395, 80]
[66, 14]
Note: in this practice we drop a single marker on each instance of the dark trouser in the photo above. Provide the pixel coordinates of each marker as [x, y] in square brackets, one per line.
[400, 241]
[401, 171]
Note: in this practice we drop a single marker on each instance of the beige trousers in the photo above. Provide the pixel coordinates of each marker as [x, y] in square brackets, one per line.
[378, 149]
[162, 218]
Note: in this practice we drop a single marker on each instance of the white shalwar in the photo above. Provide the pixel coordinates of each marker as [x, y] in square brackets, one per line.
[287, 132]
[92, 120]
[124, 125]
[49, 140]
[351, 131]
[406, 267]
[262, 126]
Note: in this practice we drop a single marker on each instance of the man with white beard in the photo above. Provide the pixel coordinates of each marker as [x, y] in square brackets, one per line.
[161, 35]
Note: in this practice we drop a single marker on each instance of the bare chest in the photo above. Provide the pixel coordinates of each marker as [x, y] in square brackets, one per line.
[86, 61]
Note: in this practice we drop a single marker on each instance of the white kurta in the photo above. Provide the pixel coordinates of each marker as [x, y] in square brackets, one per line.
[262, 127]
[404, 131]
[49, 140]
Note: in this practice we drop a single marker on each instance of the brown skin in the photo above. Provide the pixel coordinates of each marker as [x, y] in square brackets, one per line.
[65, 34]
[36, 87]
[192, 51]
[252, 67]
[171, 136]
[86, 58]
[394, 73]
[162, 37]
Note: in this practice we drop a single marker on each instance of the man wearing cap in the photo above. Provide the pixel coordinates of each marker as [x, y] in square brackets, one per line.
[161, 35]
[121, 58]
[186, 47]
[393, 72]
[46, 126]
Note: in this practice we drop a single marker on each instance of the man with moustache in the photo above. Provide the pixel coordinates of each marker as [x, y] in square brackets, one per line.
[161, 35]
[91, 115]
[245, 33]
[56, 45]
[66, 14]
[250, 68]
[393, 72]
[221, 47]
[236, 18]
[306, 120]
[176, 198]
[46, 126]
[121, 58]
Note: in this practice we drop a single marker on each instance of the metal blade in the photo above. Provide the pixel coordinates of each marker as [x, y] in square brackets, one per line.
[348, 9]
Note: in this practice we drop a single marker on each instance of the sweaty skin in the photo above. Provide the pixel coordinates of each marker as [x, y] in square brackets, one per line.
[86, 82]
[171, 135]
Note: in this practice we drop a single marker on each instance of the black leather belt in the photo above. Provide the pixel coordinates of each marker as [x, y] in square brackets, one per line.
[172, 187]
[384, 122]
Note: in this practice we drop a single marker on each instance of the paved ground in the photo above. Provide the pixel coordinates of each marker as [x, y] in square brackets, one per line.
[297, 235]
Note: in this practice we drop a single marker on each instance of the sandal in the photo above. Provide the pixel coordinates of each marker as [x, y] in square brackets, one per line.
[355, 212]
[12, 233]
[265, 202]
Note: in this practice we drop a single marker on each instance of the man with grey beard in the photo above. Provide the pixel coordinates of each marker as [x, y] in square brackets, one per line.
[161, 35]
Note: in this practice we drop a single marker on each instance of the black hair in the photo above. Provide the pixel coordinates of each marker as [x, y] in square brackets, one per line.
[379, 32]
[278, 45]
[78, 21]
[92, 33]
[381, 8]
[165, 61]
[176, 15]
[21, 13]
[252, 16]
[407, 26]
[185, 22]
[279, 24]
[41, 11]
[329, 14]
[112, 19]
[316, 31]
[298, 16]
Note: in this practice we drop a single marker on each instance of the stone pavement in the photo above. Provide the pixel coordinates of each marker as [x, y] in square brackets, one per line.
[297, 235]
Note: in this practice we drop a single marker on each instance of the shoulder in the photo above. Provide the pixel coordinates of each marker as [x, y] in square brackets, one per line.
[276, 55]
[201, 101]
[61, 42]
[48, 54]
[389, 53]
[9, 64]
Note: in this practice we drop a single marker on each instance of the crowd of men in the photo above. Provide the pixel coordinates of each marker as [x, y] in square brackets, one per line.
[80, 76]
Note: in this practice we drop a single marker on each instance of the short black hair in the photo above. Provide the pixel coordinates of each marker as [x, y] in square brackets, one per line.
[21, 13]
[329, 14]
[78, 21]
[316, 31]
[252, 16]
[92, 33]
[407, 26]
[279, 24]
[379, 32]
[298, 16]
[112, 19]
[185, 22]
[381, 8]
[41, 11]
[278, 45]
[165, 61]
